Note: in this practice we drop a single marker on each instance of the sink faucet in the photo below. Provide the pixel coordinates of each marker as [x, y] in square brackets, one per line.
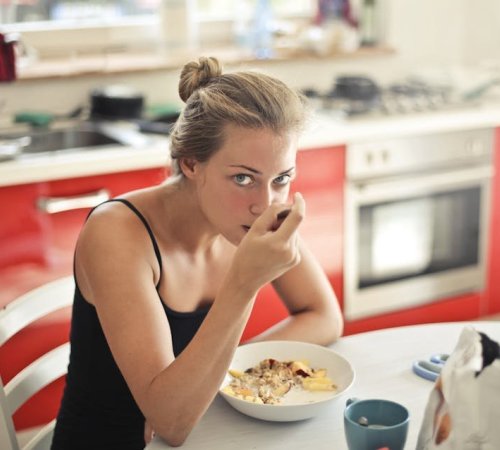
[10, 148]
[480, 90]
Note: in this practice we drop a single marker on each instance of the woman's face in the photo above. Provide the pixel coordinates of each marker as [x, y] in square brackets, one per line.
[252, 170]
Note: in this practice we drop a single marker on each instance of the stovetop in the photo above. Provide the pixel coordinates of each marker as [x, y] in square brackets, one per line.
[395, 99]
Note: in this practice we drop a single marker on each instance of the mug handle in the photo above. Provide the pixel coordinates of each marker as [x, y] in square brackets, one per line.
[351, 400]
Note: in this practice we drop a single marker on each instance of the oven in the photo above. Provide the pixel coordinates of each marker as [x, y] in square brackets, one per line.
[417, 213]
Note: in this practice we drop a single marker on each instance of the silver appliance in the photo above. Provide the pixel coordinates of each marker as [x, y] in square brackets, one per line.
[417, 213]
[360, 97]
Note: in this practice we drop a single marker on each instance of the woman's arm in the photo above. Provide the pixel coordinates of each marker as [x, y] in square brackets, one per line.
[117, 266]
[315, 315]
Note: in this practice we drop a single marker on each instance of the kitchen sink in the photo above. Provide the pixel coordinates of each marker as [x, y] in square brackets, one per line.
[84, 136]
[58, 140]
[47, 141]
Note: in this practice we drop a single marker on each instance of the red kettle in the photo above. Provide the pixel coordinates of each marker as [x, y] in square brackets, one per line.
[8, 56]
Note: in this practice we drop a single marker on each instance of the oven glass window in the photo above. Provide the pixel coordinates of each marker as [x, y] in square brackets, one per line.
[418, 236]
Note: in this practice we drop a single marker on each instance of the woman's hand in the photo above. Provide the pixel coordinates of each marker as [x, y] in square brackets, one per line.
[149, 433]
[270, 248]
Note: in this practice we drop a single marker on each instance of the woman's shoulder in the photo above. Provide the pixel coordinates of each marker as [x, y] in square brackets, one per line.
[114, 214]
[120, 210]
[113, 223]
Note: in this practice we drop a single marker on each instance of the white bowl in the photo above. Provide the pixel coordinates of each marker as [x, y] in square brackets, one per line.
[294, 406]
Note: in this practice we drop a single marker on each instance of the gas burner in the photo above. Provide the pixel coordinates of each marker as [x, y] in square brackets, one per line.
[359, 97]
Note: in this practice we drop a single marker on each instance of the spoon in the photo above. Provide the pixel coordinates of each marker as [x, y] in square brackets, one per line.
[363, 421]
[280, 218]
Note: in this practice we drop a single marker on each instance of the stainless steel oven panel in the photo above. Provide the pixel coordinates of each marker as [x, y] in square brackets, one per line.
[360, 303]
[363, 193]
[414, 292]
[369, 160]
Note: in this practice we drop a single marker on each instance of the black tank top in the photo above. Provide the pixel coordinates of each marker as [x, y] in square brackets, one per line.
[97, 409]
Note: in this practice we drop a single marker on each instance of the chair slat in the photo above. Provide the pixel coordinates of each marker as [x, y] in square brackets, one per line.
[34, 305]
[49, 367]
[43, 439]
[8, 439]
[36, 376]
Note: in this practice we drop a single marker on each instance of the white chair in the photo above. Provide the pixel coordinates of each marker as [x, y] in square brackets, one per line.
[14, 317]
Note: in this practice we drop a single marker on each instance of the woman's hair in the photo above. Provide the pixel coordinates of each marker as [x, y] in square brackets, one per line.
[214, 100]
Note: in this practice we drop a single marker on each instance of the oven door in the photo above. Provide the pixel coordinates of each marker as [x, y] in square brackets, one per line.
[415, 239]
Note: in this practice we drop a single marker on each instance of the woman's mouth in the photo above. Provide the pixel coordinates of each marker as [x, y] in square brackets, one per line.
[245, 227]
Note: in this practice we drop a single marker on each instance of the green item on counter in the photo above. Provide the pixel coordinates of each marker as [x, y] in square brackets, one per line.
[161, 110]
[34, 118]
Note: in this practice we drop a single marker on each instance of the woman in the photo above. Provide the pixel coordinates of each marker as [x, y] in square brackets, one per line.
[166, 276]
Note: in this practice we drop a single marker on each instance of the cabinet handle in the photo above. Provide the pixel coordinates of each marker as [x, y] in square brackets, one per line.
[52, 205]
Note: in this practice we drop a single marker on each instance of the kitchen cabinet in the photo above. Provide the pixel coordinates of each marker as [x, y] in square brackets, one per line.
[37, 247]
[493, 282]
[459, 308]
[21, 228]
[320, 179]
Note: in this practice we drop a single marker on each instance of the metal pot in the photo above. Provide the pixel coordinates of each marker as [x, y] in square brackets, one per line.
[116, 102]
[356, 88]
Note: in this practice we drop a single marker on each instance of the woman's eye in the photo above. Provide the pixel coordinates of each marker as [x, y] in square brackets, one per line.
[242, 179]
[282, 180]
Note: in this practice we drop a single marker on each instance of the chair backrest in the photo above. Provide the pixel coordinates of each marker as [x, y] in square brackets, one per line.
[49, 367]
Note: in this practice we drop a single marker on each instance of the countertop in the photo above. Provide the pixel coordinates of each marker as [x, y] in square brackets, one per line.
[323, 130]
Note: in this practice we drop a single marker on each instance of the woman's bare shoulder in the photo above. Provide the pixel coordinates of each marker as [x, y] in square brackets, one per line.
[108, 220]
[114, 238]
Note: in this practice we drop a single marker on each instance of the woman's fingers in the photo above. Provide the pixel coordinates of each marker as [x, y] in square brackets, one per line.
[267, 219]
[277, 215]
[148, 433]
[293, 219]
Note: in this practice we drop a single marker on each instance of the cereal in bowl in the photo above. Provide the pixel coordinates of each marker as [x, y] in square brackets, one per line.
[270, 380]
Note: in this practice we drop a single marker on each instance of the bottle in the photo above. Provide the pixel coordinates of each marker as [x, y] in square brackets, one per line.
[178, 25]
[369, 23]
[242, 24]
[262, 31]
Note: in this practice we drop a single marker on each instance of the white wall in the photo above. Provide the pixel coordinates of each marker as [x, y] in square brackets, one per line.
[482, 35]
[424, 33]
[427, 32]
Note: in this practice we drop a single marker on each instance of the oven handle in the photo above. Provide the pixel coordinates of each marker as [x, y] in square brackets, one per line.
[375, 191]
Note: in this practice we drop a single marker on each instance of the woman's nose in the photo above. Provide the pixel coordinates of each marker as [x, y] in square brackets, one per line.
[262, 200]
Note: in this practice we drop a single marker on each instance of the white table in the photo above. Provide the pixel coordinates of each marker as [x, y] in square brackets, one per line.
[382, 361]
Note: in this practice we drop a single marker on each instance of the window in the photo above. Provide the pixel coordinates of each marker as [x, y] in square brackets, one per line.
[63, 11]
[75, 26]
[99, 11]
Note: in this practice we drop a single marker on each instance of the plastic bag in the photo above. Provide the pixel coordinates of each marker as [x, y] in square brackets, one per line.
[463, 410]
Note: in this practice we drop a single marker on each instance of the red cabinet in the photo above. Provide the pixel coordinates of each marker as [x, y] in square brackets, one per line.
[493, 286]
[320, 179]
[21, 228]
[36, 246]
[464, 307]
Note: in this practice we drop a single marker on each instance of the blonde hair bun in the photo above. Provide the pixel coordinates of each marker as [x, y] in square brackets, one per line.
[196, 74]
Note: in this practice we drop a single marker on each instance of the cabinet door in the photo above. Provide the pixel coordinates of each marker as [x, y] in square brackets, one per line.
[453, 309]
[64, 226]
[21, 227]
[493, 282]
[320, 179]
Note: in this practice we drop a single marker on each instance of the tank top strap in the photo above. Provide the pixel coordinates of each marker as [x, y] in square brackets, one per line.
[146, 225]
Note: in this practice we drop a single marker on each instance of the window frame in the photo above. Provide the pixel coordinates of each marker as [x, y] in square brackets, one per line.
[136, 34]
